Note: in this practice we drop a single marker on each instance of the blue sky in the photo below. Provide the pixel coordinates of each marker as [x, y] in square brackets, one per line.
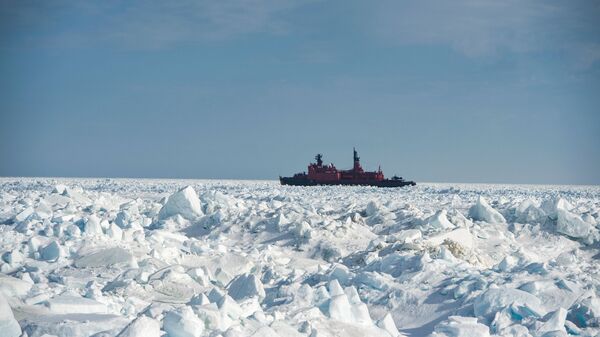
[456, 91]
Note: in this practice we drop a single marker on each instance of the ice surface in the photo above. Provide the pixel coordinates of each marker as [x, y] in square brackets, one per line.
[108, 257]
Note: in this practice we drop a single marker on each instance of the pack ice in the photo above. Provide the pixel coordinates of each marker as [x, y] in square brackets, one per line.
[173, 258]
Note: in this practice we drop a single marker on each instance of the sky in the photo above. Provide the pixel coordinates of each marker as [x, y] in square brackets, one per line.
[433, 90]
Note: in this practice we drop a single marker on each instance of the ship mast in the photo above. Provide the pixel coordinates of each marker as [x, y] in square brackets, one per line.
[319, 159]
[357, 168]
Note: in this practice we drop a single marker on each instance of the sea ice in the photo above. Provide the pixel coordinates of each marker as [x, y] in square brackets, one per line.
[105, 257]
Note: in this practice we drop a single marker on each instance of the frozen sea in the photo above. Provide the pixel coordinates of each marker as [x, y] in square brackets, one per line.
[179, 258]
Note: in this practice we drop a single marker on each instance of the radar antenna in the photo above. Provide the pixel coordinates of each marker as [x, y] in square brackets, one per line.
[319, 159]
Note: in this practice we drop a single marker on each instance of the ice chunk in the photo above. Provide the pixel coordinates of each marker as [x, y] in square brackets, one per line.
[182, 322]
[77, 195]
[51, 252]
[586, 313]
[200, 276]
[222, 277]
[212, 317]
[439, 220]
[9, 327]
[373, 208]
[571, 224]
[495, 299]
[374, 280]
[215, 295]
[43, 210]
[340, 309]
[57, 199]
[341, 273]
[115, 232]
[67, 304]
[461, 236]
[457, 326]
[73, 325]
[335, 288]
[556, 322]
[245, 286]
[123, 219]
[482, 211]
[360, 313]
[508, 263]
[59, 188]
[387, 324]
[528, 212]
[407, 236]
[524, 205]
[13, 287]
[229, 307]
[142, 326]
[302, 232]
[106, 257]
[199, 299]
[551, 206]
[13, 257]
[92, 226]
[265, 331]
[184, 202]
[23, 215]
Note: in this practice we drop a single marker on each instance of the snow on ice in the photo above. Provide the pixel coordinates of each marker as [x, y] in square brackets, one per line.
[106, 257]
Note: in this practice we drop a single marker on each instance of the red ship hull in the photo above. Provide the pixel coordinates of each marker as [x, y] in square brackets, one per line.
[298, 181]
[319, 174]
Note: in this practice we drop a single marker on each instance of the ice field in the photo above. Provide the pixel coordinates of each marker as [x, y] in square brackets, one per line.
[148, 258]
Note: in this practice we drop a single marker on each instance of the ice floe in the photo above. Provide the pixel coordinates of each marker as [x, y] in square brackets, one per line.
[106, 257]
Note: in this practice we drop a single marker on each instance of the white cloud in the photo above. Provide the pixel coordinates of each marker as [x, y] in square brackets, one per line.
[160, 23]
[487, 27]
[475, 28]
[146, 24]
[588, 56]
